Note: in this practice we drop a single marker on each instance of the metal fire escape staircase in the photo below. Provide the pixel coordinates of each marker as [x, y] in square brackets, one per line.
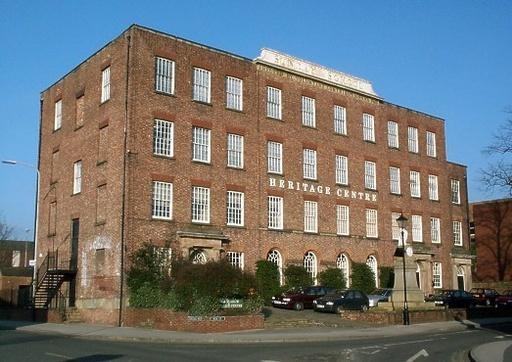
[50, 277]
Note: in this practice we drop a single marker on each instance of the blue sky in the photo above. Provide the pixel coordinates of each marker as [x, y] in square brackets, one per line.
[452, 59]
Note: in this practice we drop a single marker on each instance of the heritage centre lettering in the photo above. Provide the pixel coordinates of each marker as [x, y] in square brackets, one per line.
[320, 189]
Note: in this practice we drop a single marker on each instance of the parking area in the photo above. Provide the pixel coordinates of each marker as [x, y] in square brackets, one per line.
[285, 318]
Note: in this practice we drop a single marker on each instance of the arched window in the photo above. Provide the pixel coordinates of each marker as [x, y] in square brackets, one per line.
[198, 257]
[275, 257]
[342, 262]
[371, 261]
[418, 275]
[310, 265]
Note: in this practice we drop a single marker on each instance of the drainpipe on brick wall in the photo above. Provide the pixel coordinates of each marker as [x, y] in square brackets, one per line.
[121, 271]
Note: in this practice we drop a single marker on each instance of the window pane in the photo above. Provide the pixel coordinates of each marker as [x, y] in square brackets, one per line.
[235, 208]
[273, 103]
[274, 157]
[308, 112]
[201, 87]
[234, 95]
[235, 150]
[162, 200]
[201, 144]
[200, 204]
[368, 127]
[163, 138]
[164, 75]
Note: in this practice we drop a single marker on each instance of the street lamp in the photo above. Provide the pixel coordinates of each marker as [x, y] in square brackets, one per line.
[402, 222]
[28, 165]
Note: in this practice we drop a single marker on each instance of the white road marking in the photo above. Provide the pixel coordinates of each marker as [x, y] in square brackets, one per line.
[57, 355]
[499, 337]
[417, 355]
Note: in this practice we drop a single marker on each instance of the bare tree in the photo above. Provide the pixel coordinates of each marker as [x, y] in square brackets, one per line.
[6, 231]
[498, 174]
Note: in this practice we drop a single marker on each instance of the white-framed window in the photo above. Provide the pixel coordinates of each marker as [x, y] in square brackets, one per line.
[414, 183]
[455, 191]
[370, 175]
[433, 193]
[274, 157]
[201, 151]
[201, 85]
[310, 216]
[412, 139]
[341, 170]
[437, 275]
[275, 257]
[310, 265]
[105, 85]
[393, 135]
[164, 75]
[162, 200]
[236, 259]
[340, 120]
[275, 212]
[342, 220]
[368, 127]
[435, 230]
[273, 102]
[163, 138]
[309, 163]
[371, 261]
[431, 144]
[57, 123]
[372, 230]
[394, 180]
[417, 228]
[308, 112]
[395, 228]
[235, 208]
[16, 258]
[77, 177]
[343, 263]
[164, 255]
[200, 204]
[234, 93]
[235, 150]
[457, 233]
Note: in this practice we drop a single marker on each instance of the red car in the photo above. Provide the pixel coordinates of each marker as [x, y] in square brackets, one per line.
[505, 299]
[300, 298]
[484, 296]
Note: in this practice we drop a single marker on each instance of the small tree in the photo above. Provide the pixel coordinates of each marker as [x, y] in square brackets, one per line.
[387, 277]
[363, 278]
[267, 279]
[333, 278]
[297, 276]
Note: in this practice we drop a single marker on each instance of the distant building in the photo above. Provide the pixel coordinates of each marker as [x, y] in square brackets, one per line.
[14, 269]
[491, 230]
[210, 155]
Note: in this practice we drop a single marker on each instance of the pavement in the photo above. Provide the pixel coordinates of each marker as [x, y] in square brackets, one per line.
[489, 352]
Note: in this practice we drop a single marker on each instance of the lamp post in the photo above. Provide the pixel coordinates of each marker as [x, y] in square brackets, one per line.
[28, 165]
[402, 222]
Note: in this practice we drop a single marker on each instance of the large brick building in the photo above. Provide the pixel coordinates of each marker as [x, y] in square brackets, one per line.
[159, 139]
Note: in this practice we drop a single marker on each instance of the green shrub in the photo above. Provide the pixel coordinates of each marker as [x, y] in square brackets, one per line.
[147, 266]
[146, 295]
[267, 279]
[332, 277]
[297, 276]
[387, 277]
[253, 304]
[204, 305]
[363, 278]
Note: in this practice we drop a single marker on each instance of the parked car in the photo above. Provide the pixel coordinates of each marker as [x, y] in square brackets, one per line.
[484, 296]
[340, 300]
[300, 298]
[454, 299]
[504, 299]
[379, 295]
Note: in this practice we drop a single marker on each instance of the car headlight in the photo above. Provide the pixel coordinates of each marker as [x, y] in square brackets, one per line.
[273, 297]
[286, 299]
[314, 302]
[329, 303]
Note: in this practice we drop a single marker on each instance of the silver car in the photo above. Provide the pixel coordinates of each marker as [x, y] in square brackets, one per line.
[379, 295]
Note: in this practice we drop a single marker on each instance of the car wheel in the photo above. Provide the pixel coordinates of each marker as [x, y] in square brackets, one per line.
[364, 308]
[339, 309]
[298, 306]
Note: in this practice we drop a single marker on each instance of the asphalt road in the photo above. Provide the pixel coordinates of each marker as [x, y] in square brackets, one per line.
[448, 346]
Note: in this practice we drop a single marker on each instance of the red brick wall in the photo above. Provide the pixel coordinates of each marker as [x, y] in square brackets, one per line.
[493, 237]
[174, 321]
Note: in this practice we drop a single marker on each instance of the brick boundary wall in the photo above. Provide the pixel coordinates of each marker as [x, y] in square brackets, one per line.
[416, 317]
[175, 321]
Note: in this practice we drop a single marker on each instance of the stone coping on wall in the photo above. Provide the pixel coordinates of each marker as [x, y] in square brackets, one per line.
[165, 319]
[415, 316]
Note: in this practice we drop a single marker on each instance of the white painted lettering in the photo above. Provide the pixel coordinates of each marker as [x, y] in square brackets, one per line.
[361, 195]
[320, 189]
[312, 188]
[281, 184]
[327, 190]
[305, 187]
[290, 185]
[374, 197]
[272, 181]
[366, 196]
[346, 194]
[339, 192]
[353, 194]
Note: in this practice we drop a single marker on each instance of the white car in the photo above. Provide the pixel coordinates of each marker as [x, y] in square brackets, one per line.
[379, 295]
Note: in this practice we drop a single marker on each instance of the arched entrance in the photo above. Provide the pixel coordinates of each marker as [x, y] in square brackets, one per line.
[274, 256]
[371, 261]
[461, 282]
[343, 263]
[310, 265]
